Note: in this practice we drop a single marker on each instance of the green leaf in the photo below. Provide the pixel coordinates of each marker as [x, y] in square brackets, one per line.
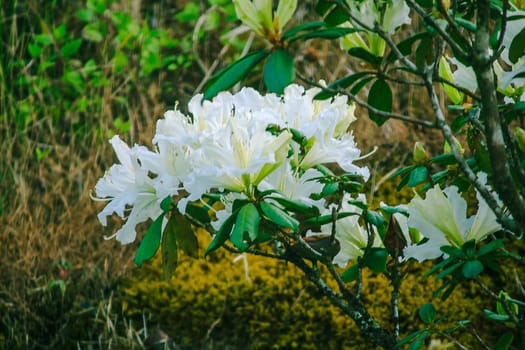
[350, 274]
[43, 39]
[329, 33]
[247, 224]
[517, 47]
[340, 84]
[375, 259]
[198, 212]
[418, 175]
[464, 23]
[323, 6]
[449, 270]
[223, 234]
[427, 313]
[504, 341]
[366, 56]
[472, 269]
[279, 71]
[295, 206]
[70, 48]
[150, 243]
[169, 249]
[290, 33]
[165, 205]
[34, 50]
[380, 97]
[444, 159]
[326, 219]
[425, 52]
[279, 216]
[336, 17]
[374, 218]
[230, 75]
[495, 317]
[405, 46]
[360, 85]
[186, 239]
[91, 32]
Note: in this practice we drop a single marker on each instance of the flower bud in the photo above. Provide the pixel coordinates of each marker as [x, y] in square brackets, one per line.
[519, 137]
[513, 308]
[419, 154]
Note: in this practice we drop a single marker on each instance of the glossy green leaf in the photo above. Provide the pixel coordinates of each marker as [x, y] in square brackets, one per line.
[427, 313]
[290, 33]
[328, 33]
[495, 316]
[230, 75]
[360, 85]
[417, 176]
[279, 216]
[150, 243]
[198, 212]
[340, 84]
[223, 234]
[472, 269]
[279, 71]
[336, 17]
[380, 97]
[350, 274]
[405, 46]
[375, 259]
[246, 226]
[70, 48]
[296, 206]
[517, 47]
[490, 247]
[170, 252]
[464, 23]
[374, 218]
[165, 205]
[366, 56]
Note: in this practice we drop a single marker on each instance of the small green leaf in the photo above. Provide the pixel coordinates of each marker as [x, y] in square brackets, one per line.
[417, 176]
[198, 212]
[495, 317]
[375, 259]
[296, 206]
[290, 33]
[169, 249]
[186, 239]
[472, 269]
[340, 84]
[504, 341]
[490, 247]
[223, 234]
[427, 313]
[329, 34]
[380, 97]
[279, 71]
[374, 218]
[150, 243]
[43, 39]
[91, 32]
[366, 56]
[230, 75]
[468, 25]
[326, 219]
[34, 50]
[165, 205]
[70, 48]
[336, 17]
[517, 47]
[350, 274]
[405, 46]
[279, 216]
[247, 224]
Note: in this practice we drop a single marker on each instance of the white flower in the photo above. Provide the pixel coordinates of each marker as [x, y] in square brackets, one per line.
[127, 184]
[441, 217]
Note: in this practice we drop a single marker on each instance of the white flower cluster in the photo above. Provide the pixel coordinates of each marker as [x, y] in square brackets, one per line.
[225, 144]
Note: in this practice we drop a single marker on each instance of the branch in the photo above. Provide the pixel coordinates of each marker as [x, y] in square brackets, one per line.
[362, 103]
[504, 182]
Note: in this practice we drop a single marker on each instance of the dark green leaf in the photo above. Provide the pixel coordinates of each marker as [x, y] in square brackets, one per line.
[169, 249]
[330, 188]
[427, 313]
[437, 267]
[495, 317]
[449, 270]
[350, 274]
[444, 159]
[517, 47]
[453, 251]
[323, 6]
[279, 216]
[340, 84]
[186, 239]
[472, 269]
[425, 52]
[409, 338]
[504, 341]
[393, 210]
[366, 56]
[246, 226]
[223, 234]
[295, 206]
[328, 33]
[360, 85]
[150, 243]
[300, 28]
[233, 73]
[375, 259]
[198, 212]
[279, 71]
[336, 17]
[417, 176]
[70, 48]
[468, 25]
[374, 218]
[380, 97]
[402, 171]
[165, 205]
[405, 46]
[326, 219]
